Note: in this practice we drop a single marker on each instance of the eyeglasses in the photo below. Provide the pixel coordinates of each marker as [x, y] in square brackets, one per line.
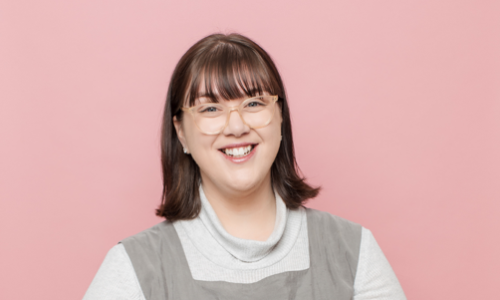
[212, 118]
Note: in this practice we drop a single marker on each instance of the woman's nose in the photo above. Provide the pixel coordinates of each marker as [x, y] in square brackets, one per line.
[235, 126]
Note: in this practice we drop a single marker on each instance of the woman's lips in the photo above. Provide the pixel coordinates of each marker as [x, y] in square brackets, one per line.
[239, 154]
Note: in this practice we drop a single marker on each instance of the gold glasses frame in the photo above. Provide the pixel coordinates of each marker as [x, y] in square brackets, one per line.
[237, 108]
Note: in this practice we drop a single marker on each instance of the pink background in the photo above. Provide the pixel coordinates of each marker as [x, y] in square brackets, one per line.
[395, 108]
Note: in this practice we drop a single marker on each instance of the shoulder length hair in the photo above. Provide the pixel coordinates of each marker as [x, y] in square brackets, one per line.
[235, 67]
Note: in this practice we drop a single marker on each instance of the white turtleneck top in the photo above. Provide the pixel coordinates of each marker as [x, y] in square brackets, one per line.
[215, 255]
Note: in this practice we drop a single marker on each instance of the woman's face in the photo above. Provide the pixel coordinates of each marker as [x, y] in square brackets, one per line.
[242, 171]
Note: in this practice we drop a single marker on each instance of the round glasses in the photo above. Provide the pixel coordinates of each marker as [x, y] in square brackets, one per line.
[212, 118]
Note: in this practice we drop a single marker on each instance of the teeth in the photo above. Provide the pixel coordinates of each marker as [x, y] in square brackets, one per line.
[238, 152]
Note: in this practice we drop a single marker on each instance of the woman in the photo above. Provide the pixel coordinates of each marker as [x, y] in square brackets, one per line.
[235, 226]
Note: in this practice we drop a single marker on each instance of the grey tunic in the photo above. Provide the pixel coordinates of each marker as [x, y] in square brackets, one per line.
[163, 271]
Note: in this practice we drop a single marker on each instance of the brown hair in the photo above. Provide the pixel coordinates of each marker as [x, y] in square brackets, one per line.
[235, 67]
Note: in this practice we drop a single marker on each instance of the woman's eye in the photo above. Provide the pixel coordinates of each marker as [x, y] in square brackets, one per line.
[209, 109]
[254, 104]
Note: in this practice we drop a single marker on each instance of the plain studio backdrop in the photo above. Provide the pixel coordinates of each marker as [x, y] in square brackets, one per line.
[395, 110]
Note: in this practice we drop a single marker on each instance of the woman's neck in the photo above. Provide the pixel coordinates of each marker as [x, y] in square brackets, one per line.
[248, 215]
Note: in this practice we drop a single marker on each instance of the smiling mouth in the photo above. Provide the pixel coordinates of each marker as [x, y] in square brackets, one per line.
[238, 152]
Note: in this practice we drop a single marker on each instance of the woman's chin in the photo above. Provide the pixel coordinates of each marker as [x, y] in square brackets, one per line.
[242, 185]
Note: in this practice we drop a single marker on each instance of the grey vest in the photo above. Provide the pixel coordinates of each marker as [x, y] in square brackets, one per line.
[163, 271]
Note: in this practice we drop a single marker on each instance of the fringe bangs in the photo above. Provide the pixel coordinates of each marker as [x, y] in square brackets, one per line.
[228, 72]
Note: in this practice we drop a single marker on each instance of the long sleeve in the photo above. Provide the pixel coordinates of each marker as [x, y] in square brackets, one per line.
[375, 278]
[115, 279]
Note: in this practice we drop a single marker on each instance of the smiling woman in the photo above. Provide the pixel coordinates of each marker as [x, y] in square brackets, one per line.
[236, 227]
[219, 72]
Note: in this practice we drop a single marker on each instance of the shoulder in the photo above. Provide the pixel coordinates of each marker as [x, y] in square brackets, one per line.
[335, 242]
[115, 278]
[145, 246]
[333, 232]
[150, 238]
[375, 277]
[322, 220]
[148, 250]
[150, 235]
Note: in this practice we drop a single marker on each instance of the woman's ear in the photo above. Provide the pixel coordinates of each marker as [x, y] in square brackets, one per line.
[180, 133]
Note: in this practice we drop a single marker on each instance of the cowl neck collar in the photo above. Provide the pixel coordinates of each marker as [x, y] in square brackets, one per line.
[214, 243]
[243, 249]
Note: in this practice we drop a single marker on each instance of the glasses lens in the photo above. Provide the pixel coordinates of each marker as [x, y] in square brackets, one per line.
[258, 112]
[210, 117]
